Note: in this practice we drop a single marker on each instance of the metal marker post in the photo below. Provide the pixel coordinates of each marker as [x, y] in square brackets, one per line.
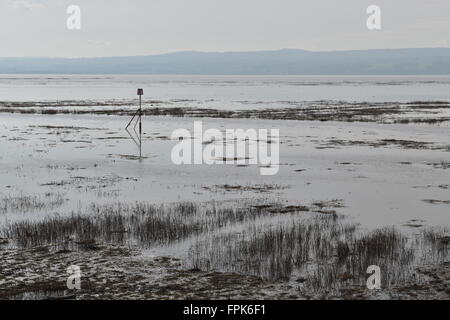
[138, 113]
[140, 92]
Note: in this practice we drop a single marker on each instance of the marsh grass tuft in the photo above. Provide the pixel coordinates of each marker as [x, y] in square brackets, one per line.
[26, 204]
[139, 223]
[316, 251]
[327, 252]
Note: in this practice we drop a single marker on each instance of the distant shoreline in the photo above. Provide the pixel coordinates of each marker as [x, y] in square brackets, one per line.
[424, 61]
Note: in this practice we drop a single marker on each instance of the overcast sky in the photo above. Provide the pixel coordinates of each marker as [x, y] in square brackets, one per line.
[143, 27]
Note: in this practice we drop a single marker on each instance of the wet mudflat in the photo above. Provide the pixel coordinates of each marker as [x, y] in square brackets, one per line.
[348, 195]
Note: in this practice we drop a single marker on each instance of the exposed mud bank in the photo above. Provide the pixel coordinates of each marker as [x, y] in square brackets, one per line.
[112, 272]
[431, 112]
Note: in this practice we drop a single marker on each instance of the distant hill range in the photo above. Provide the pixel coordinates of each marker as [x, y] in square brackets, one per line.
[280, 62]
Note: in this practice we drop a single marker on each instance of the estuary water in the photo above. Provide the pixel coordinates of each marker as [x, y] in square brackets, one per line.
[227, 91]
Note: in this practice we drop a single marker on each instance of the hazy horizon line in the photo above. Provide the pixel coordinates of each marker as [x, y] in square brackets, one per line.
[212, 52]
